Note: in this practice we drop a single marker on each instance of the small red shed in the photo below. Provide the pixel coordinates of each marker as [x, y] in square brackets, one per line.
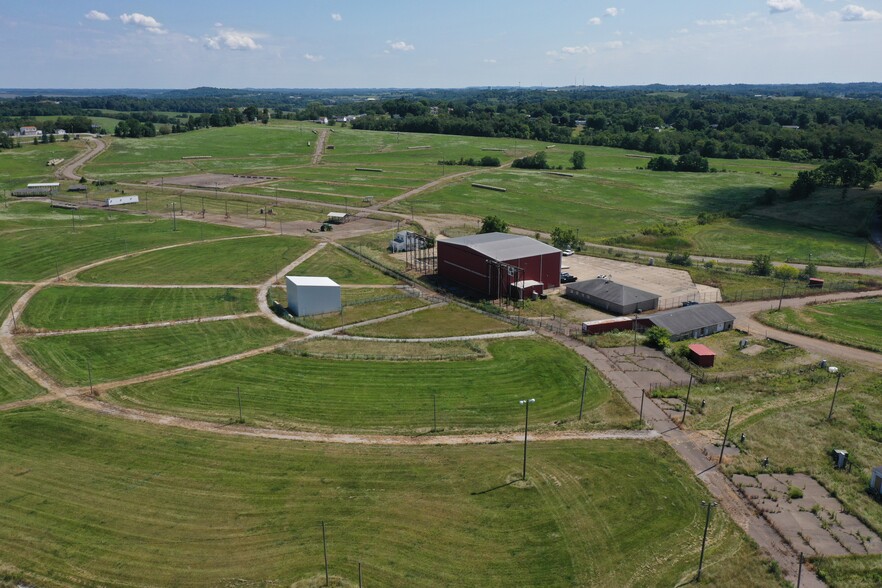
[816, 283]
[701, 355]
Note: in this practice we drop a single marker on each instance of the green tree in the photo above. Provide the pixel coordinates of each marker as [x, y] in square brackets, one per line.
[661, 163]
[493, 224]
[578, 159]
[761, 266]
[786, 272]
[658, 337]
[565, 238]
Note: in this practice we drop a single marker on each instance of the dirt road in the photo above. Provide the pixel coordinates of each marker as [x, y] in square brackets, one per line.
[68, 171]
[744, 311]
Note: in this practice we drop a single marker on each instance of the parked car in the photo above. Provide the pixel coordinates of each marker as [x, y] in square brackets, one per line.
[567, 252]
[566, 278]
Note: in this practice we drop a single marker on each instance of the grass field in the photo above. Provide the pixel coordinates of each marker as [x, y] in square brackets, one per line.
[60, 307]
[40, 253]
[238, 261]
[850, 572]
[781, 403]
[14, 385]
[857, 323]
[24, 214]
[342, 268]
[171, 507]
[360, 304]
[288, 389]
[228, 142]
[19, 167]
[447, 321]
[124, 354]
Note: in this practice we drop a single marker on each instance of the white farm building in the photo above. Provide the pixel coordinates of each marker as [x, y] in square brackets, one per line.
[308, 295]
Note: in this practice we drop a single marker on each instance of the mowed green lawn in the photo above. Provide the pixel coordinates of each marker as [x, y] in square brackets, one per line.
[360, 304]
[38, 253]
[446, 321]
[342, 268]
[27, 214]
[19, 167]
[93, 501]
[124, 354]
[857, 322]
[292, 389]
[65, 307]
[236, 261]
[14, 384]
[228, 142]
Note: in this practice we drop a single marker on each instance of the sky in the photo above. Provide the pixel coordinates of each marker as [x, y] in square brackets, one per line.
[439, 44]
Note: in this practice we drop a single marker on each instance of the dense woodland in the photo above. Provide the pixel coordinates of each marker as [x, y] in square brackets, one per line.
[795, 123]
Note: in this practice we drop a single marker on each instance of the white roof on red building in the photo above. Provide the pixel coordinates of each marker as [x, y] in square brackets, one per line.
[503, 246]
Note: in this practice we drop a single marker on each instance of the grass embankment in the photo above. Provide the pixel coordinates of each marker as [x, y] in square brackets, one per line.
[237, 261]
[96, 501]
[14, 384]
[342, 268]
[40, 253]
[447, 321]
[857, 323]
[65, 307]
[124, 354]
[391, 393]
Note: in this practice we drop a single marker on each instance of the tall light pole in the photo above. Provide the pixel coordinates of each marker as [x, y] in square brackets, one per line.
[526, 404]
[709, 506]
[834, 370]
[634, 328]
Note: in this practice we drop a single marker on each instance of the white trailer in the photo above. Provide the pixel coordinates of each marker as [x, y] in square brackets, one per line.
[117, 200]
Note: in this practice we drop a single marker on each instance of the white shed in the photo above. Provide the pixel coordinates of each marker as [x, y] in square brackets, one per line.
[308, 295]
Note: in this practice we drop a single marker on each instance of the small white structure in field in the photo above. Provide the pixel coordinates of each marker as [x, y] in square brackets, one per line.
[308, 295]
[117, 200]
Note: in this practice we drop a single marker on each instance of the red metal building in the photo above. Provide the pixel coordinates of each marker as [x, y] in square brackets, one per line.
[492, 263]
[701, 355]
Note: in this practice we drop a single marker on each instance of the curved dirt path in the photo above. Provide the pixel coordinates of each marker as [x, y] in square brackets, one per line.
[68, 171]
[744, 311]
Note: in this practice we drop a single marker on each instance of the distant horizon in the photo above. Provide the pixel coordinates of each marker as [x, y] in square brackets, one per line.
[401, 88]
[158, 44]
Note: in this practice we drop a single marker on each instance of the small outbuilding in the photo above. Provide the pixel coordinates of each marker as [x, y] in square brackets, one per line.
[692, 322]
[309, 295]
[701, 355]
[611, 297]
[338, 218]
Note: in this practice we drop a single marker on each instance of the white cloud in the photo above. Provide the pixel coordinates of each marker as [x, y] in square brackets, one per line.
[715, 23]
[96, 15]
[611, 11]
[313, 58]
[614, 45]
[400, 46]
[683, 31]
[233, 40]
[336, 16]
[578, 50]
[853, 13]
[490, 61]
[142, 20]
[594, 21]
[777, 6]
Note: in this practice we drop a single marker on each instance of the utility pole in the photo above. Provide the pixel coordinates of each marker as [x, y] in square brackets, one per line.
[686, 404]
[835, 390]
[526, 404]
[781, 298]
[434, 413]
[799, 573]
[642, 398]
[709, 506]
[726, 434]
[584, 384]
[174, 218]
[89, 367]
[325, 545]
[360, 585]
[239, 398]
